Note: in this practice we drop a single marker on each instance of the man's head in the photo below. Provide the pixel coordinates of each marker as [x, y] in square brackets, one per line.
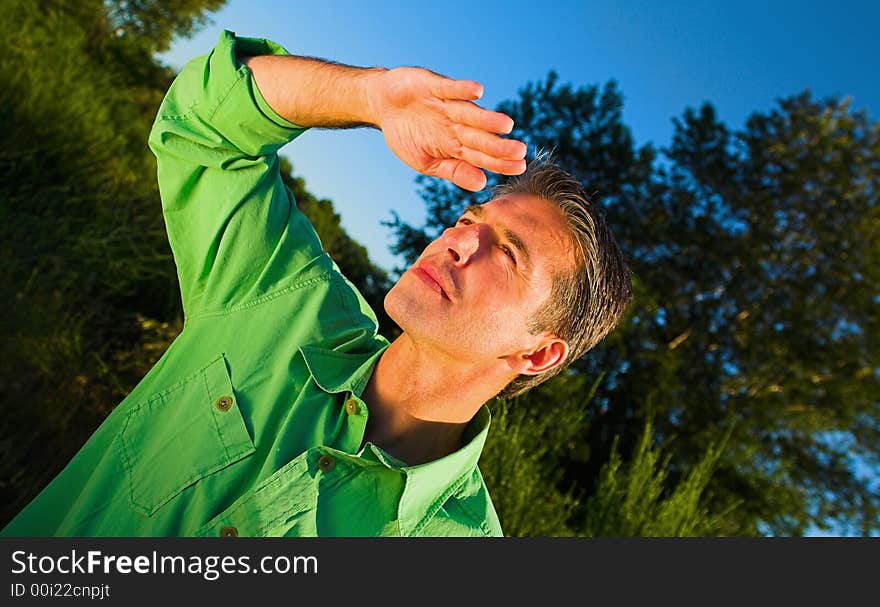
[531, 279]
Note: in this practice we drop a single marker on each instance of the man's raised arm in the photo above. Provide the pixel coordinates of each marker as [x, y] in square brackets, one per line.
[430, 122]
[234, 229]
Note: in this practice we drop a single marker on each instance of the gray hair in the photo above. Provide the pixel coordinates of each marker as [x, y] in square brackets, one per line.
[587, 300]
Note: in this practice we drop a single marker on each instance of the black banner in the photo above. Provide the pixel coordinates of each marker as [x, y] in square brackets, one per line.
[379, 571]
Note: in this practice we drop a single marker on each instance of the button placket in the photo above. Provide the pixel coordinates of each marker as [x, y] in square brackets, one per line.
[356, 411]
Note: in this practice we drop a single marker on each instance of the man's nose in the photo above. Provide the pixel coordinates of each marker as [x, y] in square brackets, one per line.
[462, 242]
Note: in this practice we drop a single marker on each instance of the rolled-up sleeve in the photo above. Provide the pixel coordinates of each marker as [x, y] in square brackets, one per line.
[233, 226]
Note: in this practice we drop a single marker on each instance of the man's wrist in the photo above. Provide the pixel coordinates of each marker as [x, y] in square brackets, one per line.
[371, 86]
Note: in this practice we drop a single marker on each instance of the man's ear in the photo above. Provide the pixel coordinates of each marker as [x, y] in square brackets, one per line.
[548, 355]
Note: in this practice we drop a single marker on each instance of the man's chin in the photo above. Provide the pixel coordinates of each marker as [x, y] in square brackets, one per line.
[402, 303]
[398, 307]
[413, 316]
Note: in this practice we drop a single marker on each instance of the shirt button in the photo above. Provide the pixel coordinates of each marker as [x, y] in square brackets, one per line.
[223, 404]
[326, 463]
[352, 407]
[229, 532]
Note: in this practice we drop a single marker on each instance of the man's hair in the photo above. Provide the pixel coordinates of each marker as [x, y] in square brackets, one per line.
[587, 300]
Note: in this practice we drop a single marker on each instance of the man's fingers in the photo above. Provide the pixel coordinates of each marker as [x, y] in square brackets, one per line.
[493, 145]
[446, 88]
[462, 174]
[491, 163]
[470, 114]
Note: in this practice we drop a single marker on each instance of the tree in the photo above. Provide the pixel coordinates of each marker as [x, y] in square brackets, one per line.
[773, 241]
[755, 258]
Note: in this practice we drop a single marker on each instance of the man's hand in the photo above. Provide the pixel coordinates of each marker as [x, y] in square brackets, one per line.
[431, 123]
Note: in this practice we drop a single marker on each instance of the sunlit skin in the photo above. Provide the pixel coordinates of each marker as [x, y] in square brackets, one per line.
[467, 337]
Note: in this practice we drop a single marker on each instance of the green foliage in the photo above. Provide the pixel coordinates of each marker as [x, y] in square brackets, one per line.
[755, 255]
[521, 463]
[153, 24]
[532, 438]
[635, 499]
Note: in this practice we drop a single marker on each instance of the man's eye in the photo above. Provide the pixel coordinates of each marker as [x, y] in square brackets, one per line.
[464, 220]
[509, 253]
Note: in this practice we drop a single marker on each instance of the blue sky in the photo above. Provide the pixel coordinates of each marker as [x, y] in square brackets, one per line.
[666, 56]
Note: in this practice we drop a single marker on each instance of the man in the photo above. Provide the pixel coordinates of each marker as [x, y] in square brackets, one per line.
[278, 410]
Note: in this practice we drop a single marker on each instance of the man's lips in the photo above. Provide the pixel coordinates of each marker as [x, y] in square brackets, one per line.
[431, 277]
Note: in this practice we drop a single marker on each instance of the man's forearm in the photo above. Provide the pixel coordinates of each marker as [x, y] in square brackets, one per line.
[428, 120]
[313, 93]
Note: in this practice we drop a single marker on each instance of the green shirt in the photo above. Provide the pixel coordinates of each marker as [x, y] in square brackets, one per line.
[251, 423]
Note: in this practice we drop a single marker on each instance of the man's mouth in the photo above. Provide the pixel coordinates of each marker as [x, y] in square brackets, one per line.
[431, 277]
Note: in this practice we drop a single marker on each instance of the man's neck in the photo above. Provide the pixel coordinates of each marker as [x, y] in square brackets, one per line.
[420, 402]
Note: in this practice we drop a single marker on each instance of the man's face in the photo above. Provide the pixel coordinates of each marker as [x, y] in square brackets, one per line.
[472, 291]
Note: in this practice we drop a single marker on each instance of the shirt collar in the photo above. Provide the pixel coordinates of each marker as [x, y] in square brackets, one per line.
[428, 485]
[335, 371]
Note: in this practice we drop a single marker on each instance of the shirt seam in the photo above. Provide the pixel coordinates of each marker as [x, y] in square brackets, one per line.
[345, 295]
[126, 459]
[326, 276]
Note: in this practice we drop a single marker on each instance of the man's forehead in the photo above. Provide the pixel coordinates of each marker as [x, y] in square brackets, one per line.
[532, 210]
[503, 201]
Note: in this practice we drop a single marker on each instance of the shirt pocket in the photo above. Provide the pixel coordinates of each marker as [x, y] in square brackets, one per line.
[181, 435]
